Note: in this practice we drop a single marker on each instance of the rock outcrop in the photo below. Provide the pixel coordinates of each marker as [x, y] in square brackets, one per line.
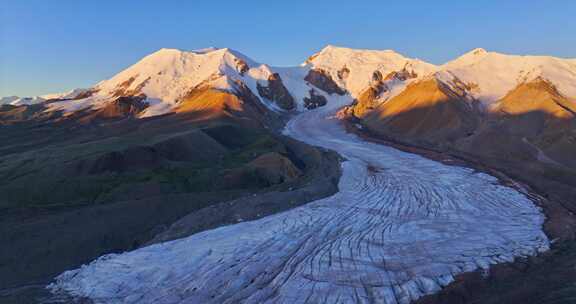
[119, 108]
[277, 92]
[124, 89]
[241, 66]
[126, 106]
[323, 81]
[401, 75]
[314, 100]
[343, 73]
[368, 100]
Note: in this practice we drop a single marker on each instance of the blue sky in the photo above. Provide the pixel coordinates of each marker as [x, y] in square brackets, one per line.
[53, 46]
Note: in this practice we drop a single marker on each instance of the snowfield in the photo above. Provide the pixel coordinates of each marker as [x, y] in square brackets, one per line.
[400, 227]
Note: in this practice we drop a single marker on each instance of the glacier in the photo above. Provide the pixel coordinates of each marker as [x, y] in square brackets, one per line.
[400, 227]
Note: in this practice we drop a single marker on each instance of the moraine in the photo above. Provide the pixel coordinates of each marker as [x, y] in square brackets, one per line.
[400, 227]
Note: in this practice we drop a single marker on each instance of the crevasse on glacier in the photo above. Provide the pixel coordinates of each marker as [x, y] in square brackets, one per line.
[400, 227]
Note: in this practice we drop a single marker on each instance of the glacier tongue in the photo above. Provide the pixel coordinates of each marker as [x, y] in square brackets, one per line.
[400, 227]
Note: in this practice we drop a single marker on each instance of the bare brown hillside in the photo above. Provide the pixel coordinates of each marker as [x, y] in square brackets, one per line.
[427, 111]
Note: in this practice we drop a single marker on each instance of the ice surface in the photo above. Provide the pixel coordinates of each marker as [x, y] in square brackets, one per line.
[400, 227]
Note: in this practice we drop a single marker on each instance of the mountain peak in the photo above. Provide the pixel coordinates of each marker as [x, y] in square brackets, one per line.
[165, 53]
[475, 53]
[205, 50]
[354, 69]
[168, 74]
[478, 52]
[172, 52]
[470, 57]
[336, 56]
[345, 51]
[168, 51]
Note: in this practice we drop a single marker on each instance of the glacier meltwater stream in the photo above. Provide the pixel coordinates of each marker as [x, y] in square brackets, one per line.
[400, 227]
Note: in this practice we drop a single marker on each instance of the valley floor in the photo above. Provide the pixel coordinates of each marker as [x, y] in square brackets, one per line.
[400, 227]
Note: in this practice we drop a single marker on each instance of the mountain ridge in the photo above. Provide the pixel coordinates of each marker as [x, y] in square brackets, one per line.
[163, 78]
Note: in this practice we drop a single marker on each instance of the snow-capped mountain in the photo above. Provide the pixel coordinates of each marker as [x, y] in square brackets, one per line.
[16, 100]
[490, 75]
[354, 70]
[480, 78]
[167, 75]
[484, 104]
[164, 78]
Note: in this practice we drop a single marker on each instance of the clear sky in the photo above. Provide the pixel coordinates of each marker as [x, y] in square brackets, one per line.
[52, 46]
